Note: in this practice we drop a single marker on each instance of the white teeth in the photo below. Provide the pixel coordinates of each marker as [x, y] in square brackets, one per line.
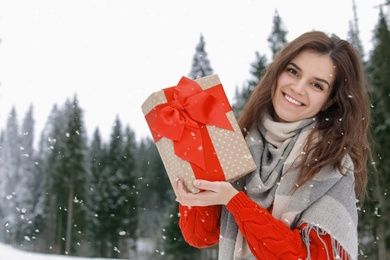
[291, 100]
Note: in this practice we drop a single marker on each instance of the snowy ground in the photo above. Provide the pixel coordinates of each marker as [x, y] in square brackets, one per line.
[9, 253]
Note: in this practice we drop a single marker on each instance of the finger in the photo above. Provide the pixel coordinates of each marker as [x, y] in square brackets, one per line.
[206, 185]
[181, 188]
[181, 192]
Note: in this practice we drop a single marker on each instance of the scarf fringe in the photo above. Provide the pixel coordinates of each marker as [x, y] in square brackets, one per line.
[338, 252]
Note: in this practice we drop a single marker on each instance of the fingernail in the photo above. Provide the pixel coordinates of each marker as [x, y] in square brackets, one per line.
[177, 179]
[196, 182]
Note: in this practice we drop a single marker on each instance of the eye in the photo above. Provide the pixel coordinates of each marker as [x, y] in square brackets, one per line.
[292, 71]
[317, 85]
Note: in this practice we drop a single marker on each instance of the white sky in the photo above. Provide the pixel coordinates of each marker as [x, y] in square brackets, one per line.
[114, 53]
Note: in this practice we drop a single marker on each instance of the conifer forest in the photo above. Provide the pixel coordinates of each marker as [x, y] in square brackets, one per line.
[79, 195]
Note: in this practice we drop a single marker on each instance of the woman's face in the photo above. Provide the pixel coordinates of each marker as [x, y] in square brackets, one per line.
[303, 87]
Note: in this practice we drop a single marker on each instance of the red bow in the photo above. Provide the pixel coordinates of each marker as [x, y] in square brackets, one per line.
[183, 116]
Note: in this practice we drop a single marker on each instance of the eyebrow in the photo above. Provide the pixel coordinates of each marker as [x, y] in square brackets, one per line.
[319, 79]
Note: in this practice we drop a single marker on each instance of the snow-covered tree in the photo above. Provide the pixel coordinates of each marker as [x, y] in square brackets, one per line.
[74, 170]
[65, 171]
[200, 63]
[113, 201]
[9, 180]
[46, 159]
[129, 221]
[155, 195]
[29, 193]
[113, 175]
[55, 192]
[256, 70]
[378, 211]
[353, 33]
[277, 38]
[96, 199]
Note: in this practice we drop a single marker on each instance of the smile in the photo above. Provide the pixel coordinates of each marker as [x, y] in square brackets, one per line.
[293, 101]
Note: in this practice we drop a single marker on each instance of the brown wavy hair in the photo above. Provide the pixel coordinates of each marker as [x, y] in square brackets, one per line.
[343, 127]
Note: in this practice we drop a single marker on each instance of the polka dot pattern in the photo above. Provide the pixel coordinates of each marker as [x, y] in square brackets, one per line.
[230, 146]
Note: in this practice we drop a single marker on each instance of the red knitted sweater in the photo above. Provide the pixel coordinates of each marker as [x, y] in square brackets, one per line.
[267, 237]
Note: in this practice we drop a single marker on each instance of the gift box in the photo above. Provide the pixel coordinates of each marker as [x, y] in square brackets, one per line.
[196, 132]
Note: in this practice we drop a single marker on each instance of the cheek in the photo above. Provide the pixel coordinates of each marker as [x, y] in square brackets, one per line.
[282, 80]
[279, 84]
[274, 89]
[318, 102]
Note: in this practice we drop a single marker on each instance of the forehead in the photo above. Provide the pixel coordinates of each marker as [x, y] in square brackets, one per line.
[316, 65]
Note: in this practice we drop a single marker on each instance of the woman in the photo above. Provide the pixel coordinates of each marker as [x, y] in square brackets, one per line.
[306, 125]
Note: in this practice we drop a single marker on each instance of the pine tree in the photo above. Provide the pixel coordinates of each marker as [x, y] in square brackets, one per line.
[113, 196]
[38, 186]
[353, 33]
[367, 212]
[117, 188]
[113, 174]
[129, 213]
[65, 170]
[155, 196]
[54, 190]
[200, 63]
[75, 174]
[48, 167]
[379, 78]
[29, 193]
[97, 163]
[257, 69]
[149, 160]
[277, 38]
[9, 180]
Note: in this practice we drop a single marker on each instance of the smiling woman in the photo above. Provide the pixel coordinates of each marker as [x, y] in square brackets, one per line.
[311, 154]
[113, 54]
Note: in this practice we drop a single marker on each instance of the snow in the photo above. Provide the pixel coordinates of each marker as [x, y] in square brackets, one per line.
[9, 253]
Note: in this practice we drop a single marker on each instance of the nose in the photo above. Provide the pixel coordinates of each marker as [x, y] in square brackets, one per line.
[298, 87]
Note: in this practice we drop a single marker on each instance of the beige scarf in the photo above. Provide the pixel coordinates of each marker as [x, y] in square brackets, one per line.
[327, 203]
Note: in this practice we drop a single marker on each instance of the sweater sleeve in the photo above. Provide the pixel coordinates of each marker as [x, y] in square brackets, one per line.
[269, 238]
[200, 226]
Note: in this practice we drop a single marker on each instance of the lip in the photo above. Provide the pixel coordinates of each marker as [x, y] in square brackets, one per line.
[292, 100]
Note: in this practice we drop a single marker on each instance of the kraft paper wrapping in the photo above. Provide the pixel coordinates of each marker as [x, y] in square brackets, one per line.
[231, 149]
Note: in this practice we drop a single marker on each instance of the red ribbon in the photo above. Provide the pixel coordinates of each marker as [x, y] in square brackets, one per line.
[184, 117]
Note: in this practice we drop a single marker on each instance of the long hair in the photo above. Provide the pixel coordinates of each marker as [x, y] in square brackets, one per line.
[343, 127]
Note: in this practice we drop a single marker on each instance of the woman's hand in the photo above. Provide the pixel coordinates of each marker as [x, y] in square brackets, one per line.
[213, 193]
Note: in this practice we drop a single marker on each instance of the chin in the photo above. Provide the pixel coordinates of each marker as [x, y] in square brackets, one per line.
[283, 117]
